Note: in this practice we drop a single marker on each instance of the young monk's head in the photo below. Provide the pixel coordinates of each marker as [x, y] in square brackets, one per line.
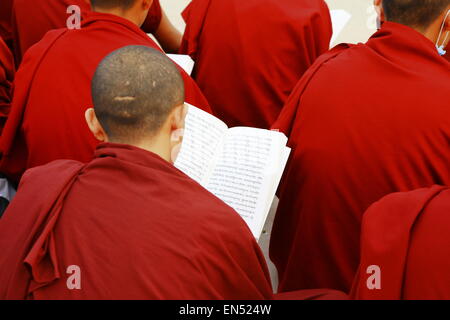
[426, 16]
[138, 96]
[133, 10]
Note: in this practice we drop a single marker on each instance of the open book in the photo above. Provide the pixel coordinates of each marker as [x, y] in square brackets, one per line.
[242, 166]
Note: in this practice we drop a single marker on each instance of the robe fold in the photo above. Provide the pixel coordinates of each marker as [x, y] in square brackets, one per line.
[47, 122]
[250, 54]
[32, 19]
[407, 236]
[134, 226]
[6, 81]
[313, 294]
[366, 120]
[5, 22]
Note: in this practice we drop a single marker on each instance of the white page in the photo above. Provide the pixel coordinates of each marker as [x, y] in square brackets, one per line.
[277, 178]
[244, 174]
[183, 61]
[202, 136]
[339, 19]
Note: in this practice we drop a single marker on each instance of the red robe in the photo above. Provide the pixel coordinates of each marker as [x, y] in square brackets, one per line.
[137, 227]
[407, 236]
[250, 54]
[51, 95]
[6, 81]
[365, 121]
[32, 19]
[5, 21]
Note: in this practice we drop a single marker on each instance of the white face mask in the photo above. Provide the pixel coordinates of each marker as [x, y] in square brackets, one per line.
[441, 48]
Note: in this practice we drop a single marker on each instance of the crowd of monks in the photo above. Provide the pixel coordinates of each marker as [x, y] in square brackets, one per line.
[90, 116]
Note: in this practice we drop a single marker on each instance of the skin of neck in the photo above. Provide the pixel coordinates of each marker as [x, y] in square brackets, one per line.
[163, 142]
[136, 14]
[159, 144]
[432, 32]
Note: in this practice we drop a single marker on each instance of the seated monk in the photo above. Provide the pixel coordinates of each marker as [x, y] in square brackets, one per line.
[405, 247]
[249, 54]
[6, 81]
[128, 224]
[52, 87]
[32, 19]
[365, 121]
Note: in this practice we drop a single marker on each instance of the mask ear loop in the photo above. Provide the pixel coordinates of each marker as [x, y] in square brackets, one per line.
[441, 48]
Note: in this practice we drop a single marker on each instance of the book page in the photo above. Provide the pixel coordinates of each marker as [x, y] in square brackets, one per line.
[245, 172]
[202, 136]
[183, 61]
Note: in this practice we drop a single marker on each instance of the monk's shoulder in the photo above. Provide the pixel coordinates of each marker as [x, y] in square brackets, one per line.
[339, 58]
[45, 175]
[37, 50]
[411, 200]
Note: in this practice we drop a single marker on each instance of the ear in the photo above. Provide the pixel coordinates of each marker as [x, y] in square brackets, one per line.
[147, 4]
[178, 117]
[379, 8]
[447, 21]
[95, 126]
[177, 124]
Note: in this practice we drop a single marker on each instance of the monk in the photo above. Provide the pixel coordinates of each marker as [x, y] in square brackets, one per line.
[405, 247]
[33, 18]
[52, 87]
[128, 224]
[366, 120]
[250, 54]
[6, 81]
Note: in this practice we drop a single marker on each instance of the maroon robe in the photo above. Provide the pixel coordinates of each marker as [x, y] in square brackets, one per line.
[249, 54]
[6, 81]
[32, 19]
[407, 236]
[51, 95]
[365, 121]
[5, 22]
[137, 228]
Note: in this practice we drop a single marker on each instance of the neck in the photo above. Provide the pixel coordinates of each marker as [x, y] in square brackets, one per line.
[126, 14]
[432, 32]
[157, 145]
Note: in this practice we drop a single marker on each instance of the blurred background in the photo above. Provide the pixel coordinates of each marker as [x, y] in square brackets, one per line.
[355, 20]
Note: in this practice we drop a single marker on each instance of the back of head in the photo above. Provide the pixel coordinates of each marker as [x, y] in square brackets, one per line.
[134, 90]
[418, 14]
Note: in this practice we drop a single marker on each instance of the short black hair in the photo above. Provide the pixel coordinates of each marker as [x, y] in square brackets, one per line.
[110, 4]
[133, 90]
[414, 13]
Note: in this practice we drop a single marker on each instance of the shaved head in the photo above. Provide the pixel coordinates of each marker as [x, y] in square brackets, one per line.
[111, 4]
[414, 13]
[134, 89]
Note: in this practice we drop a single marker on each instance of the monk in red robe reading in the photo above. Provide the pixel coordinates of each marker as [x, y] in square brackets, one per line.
[6, 81]
[250, 54]
[405, 243]
[32, 19]
[52, 87]
[128, 224]
[366, 120]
